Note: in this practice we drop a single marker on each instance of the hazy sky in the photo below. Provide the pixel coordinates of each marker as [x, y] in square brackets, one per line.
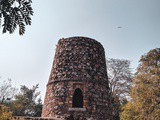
[27, 59]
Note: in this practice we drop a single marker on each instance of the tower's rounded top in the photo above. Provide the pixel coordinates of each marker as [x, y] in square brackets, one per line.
[79, 58]
[79, 39]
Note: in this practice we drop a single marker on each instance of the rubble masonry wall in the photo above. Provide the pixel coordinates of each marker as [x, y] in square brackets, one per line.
[79, 62]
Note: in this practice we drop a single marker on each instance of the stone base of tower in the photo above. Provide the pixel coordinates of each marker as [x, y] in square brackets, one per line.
[96, 103]
[86, 116]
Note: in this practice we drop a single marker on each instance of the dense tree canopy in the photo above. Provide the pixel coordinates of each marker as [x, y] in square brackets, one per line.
[145, 92]
[27, 103]
[15, 13]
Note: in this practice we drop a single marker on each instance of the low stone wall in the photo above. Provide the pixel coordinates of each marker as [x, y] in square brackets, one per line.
[73, 116]
[33, 118]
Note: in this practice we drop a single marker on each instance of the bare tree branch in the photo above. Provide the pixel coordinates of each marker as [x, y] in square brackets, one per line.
[120, 77]
[7, 91]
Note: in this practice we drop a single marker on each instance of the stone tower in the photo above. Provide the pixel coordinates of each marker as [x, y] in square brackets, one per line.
[78, 83]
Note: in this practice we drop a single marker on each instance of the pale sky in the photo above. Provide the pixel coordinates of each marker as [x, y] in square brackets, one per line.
[27, 59]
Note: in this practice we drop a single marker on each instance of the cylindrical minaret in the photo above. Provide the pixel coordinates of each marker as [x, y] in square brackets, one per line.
[78, 82]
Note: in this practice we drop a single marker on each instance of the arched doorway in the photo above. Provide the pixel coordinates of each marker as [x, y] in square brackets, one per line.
[77, 100]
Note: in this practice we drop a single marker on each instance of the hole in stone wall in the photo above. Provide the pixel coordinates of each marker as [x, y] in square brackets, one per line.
[77, 100]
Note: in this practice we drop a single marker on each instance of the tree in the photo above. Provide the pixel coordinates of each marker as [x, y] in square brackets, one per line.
[120, 79]
[129, 111]
[145, 92]
[15, 13]
[5, 113]
[7, 91]
[25, 103]
[38, 108]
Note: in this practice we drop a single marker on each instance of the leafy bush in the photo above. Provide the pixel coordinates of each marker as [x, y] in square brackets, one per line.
[5, 113]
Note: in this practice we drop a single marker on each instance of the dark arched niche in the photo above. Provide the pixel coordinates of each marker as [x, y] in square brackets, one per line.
[77, 101]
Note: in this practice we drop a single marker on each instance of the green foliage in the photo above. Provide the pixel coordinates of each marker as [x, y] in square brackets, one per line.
[129, 111]
[5, 113]
[38, 108]
[15, 13]
[25, 103]
[145, 93]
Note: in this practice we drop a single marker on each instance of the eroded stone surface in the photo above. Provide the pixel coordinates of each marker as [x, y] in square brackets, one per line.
[79, 62]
